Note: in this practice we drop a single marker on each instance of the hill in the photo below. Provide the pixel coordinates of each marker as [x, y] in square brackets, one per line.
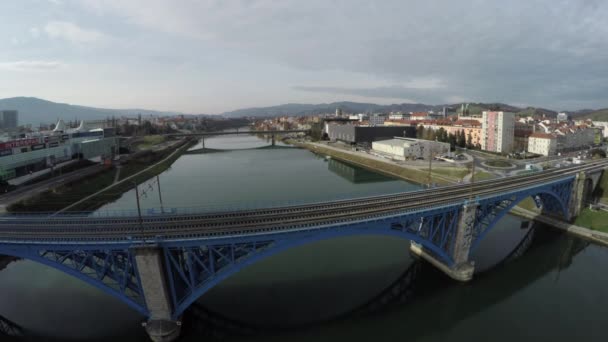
[356, 107]
[311, 109]
[532, 111]
[597, 115]
[35, 111]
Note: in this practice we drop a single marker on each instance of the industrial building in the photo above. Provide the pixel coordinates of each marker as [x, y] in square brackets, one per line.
[36, 152]
[354, 134]
[410, 149]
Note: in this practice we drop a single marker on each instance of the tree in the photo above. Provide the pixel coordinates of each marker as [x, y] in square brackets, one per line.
[452, 141]
[463, 138]
[420, 132]
[440, 133]
[470, 141]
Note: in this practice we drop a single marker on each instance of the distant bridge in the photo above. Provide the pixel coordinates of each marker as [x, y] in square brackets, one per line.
[272, 133]
[161, 264]
[214, 150]
[269, 132]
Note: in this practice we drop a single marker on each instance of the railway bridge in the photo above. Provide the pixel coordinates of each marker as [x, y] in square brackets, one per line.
[160, 264]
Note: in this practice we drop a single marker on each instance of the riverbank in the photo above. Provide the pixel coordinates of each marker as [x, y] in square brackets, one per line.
[440, 175]
[595, 236]
[93, 191]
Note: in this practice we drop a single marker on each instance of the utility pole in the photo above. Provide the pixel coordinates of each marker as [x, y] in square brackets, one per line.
[160, 196]
[141, 225]
[430, 165]
[472, 181]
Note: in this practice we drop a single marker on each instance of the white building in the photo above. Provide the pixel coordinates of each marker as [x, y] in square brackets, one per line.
[542, 143]
[603, 125]
[409, 149]
[497, 131]
[561, 117]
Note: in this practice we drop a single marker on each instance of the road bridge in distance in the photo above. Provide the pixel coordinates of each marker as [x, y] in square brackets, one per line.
[272, 133]
[160, 264]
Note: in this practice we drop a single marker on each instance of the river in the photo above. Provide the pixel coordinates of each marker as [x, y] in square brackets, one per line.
[555, 291]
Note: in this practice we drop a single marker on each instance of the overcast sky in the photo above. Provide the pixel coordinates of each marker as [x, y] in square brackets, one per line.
[214, 56]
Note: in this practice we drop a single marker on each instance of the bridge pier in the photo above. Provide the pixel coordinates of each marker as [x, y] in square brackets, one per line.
[160, 325]
[462, 269]
[273, 139]
[582, 189]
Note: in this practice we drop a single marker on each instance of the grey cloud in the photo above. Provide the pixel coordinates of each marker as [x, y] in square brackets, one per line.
[542, 52]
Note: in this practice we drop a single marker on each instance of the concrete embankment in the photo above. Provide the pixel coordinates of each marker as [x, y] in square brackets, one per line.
[600, 238]
[376, 164]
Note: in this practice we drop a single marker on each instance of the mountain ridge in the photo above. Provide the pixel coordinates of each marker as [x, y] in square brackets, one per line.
[34, 110]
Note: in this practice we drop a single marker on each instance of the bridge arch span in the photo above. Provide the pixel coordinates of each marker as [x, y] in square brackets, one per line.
[554, 200]
[191, 270]
[112, 271]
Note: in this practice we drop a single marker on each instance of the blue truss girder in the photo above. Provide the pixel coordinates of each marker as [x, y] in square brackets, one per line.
[554, 198]
[194, 266]
[111, 270]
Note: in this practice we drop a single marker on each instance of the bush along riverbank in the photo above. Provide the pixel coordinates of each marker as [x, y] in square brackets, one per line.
[108, 185]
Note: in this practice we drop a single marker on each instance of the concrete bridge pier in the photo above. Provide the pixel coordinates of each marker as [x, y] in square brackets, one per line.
[463, 268]
[160, 326]
[273, 139]
[582, 190]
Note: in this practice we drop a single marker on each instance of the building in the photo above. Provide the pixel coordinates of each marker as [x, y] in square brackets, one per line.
[603, 126]
[562, 117]
[410, 149]
[377, 119]
[353, 134]
[521, 135]
[497, 130]
[542, 143]
[9, 119]
[33, 153]
[572, 138]
[419, 116]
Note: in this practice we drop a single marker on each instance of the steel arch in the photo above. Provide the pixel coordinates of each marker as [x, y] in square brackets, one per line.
[112, 270]
[194, 269]
[492, 209]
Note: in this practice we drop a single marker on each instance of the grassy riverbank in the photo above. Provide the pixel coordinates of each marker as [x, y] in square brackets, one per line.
[440, 175]
[593, 219]
[67, 194]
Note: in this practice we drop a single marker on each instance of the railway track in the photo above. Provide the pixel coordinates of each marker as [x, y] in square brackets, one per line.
[263, 221]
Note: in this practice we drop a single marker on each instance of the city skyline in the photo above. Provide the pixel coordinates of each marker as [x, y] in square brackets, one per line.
[214, 57]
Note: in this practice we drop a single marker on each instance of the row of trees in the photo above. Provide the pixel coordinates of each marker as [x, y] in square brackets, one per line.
[459, 139]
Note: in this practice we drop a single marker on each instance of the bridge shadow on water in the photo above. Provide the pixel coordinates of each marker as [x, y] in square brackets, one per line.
[422, 300]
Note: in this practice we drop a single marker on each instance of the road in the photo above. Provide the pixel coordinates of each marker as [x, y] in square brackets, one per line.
[260, 221]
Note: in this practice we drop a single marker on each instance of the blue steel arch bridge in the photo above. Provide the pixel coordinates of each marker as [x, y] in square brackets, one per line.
[160, 264]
